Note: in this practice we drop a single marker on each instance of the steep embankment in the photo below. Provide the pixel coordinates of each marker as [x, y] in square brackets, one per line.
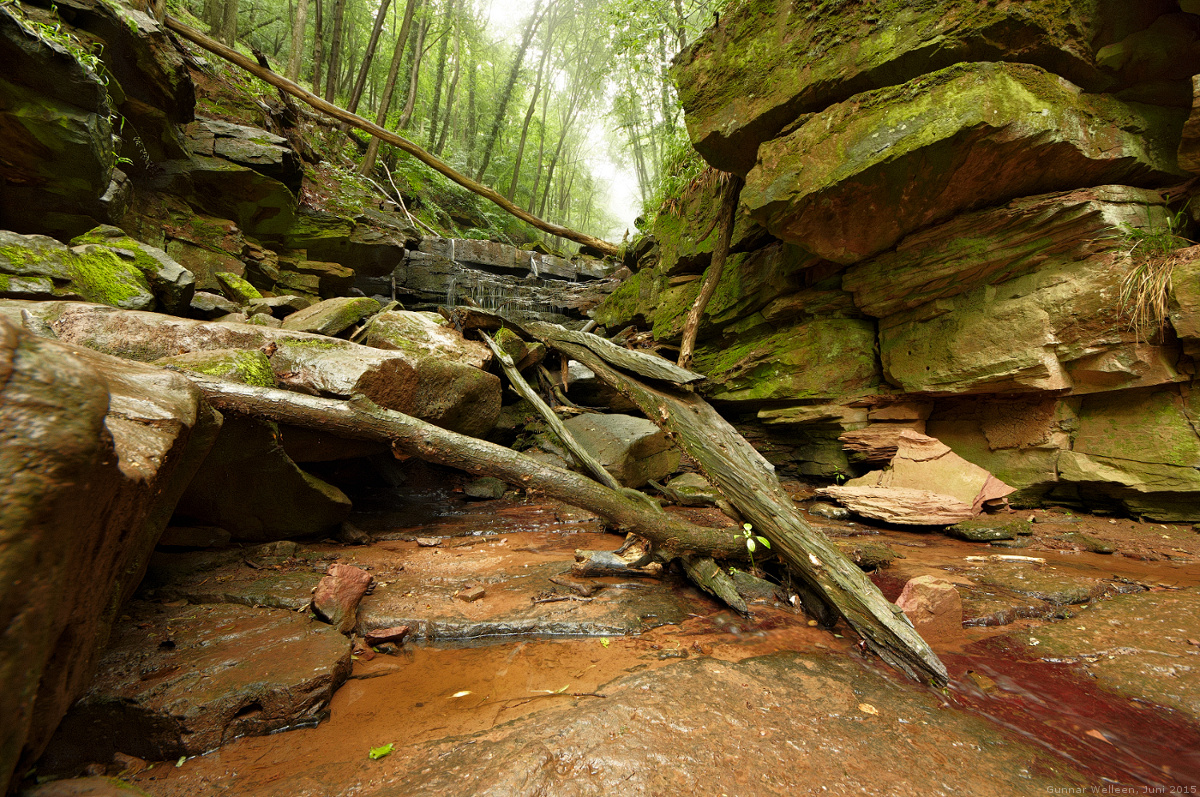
[939, 210]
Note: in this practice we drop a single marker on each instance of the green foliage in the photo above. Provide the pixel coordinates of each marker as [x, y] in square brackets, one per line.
[752, 542]
[1145, 290]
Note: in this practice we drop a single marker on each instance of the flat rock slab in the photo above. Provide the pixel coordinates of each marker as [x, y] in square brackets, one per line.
[245, 577]
[426, 597]
[1139, 646]
[184, 680]
[1044, 582]
[825, 725]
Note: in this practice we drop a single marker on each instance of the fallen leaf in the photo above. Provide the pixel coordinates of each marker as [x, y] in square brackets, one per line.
[379, 752]
[463, 693]
[867, 708]
[604, 641]
[182, 759]
[1095, 734]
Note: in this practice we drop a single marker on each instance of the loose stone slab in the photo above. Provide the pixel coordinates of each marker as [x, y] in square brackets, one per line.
[182, 681]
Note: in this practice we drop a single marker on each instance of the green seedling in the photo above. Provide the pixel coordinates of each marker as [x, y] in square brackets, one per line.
[752, 542]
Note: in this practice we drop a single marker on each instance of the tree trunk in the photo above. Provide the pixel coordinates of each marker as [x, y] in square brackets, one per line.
[229, 23]
[441, 142]
[748, 481]
[469, 143]
[506, 95]
[441, 75]
[368, 162]
[360, 419]
[537, 90]
[691, 327]
[363, 70]
[335, 51]
[229, 54]
[680, 35]
[318, 45]
[414, 76]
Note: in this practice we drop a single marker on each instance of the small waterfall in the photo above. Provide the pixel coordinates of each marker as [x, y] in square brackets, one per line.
[452, 291]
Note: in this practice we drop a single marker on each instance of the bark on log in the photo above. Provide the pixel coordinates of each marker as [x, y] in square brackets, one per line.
[750, 484]
[361, 419]
[706, 573]
[354, 120]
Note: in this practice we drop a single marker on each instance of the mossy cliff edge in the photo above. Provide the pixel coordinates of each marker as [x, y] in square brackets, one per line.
[935, 233]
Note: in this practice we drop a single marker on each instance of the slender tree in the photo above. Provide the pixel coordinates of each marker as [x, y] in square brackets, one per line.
[335, 50]
[537, 89]
[441, 73]
[299, 23]
[385, 100]
[318, 43]
[441, 142]
[361, 82]
[506, 95]
[414, 75]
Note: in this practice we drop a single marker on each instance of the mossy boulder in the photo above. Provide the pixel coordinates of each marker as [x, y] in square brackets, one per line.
[236, 365]
[92, 272]
[1139, 448]
[859, 176]
[260, 205]
[425, 333]
[173, 285]
[820, 359]
[1064, 328]
[237, 288]
[746, 79]
[332, 315]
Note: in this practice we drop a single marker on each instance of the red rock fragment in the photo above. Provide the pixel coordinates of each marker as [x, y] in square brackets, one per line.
[337, 595]
[934, 607]
[379, 636]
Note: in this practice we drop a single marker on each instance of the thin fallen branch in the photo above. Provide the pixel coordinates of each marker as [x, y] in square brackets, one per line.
[529, 394]
[354, 120]
[691, 327]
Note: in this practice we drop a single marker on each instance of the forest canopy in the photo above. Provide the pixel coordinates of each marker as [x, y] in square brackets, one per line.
[553, 103]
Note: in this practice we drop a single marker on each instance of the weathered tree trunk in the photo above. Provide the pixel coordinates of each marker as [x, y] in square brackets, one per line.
[368, 162]
[745, 478]
[506, 95]
[691, 327]
[472, 121]
[229, 22]
[386, 135]
[318, 44]
[298, 27]
[360, 419]
[361, 82]
[450, 109]
[335, 51]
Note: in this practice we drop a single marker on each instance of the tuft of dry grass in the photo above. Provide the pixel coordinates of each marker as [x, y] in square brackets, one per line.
[1146, 290]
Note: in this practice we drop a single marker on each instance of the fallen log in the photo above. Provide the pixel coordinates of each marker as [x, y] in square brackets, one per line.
[342, 115]
[361, 419]
[749, 482]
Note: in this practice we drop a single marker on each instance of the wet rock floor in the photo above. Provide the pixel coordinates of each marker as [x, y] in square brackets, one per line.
[1079, 671]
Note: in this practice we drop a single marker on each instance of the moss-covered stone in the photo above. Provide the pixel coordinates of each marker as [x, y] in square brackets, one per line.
[746, 79]
[857, 177]
[236, 288]
[249, 367]
[332, 315]
[819, 359]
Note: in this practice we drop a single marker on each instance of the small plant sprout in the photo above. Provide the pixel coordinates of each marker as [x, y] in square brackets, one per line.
[752, 542]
